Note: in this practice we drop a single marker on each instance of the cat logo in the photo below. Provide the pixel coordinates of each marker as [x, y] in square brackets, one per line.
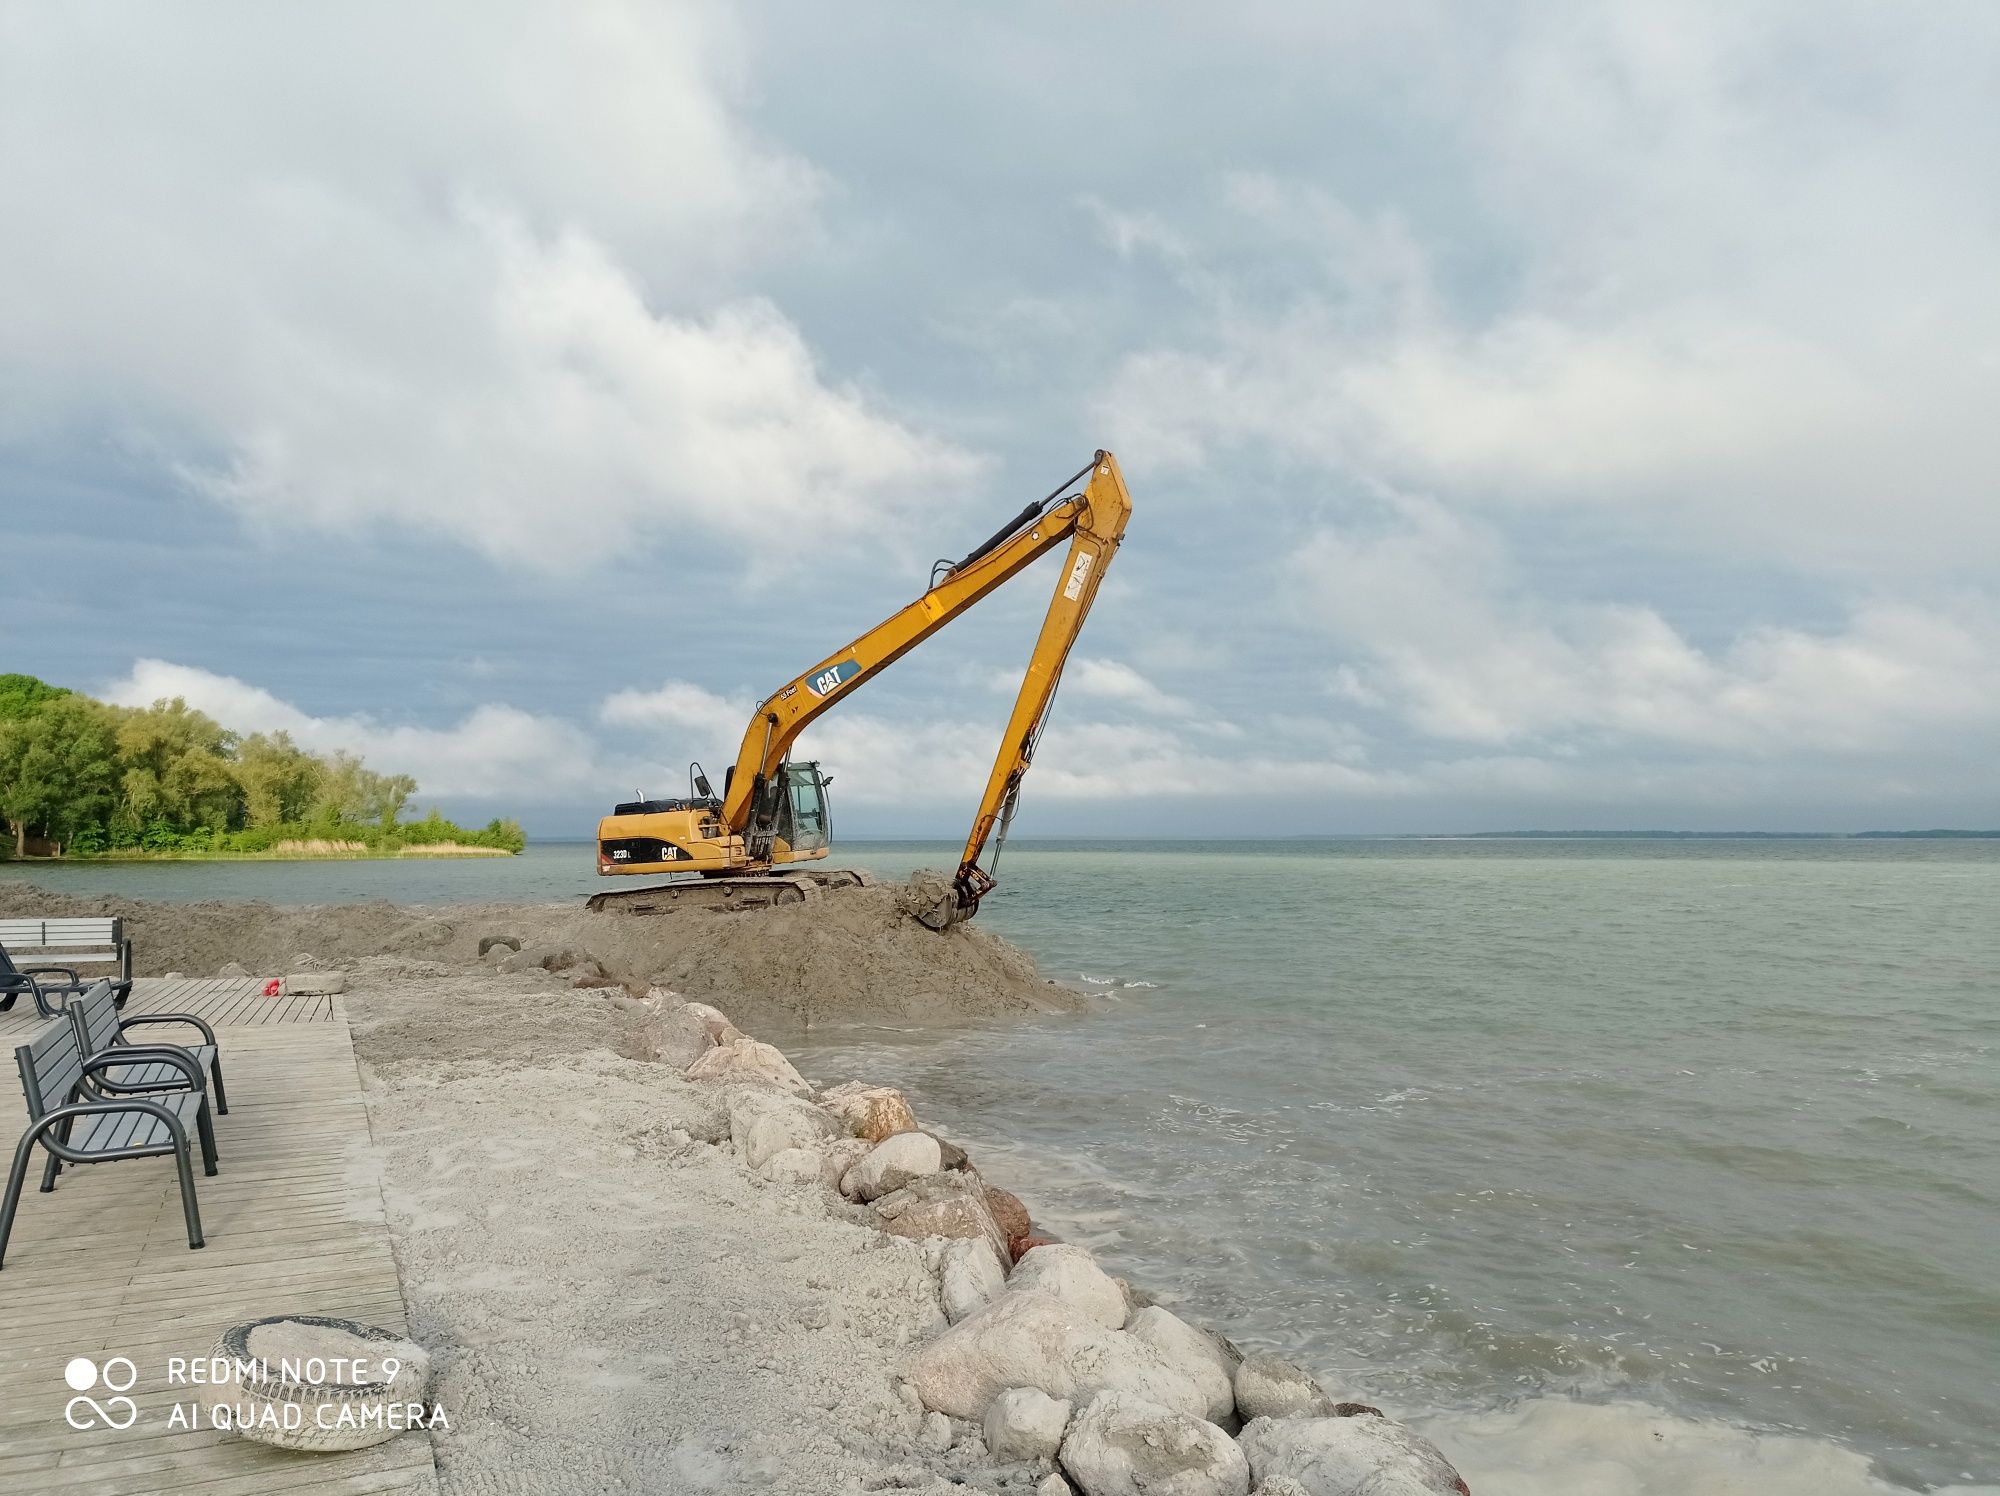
[831, 679]
[1073, 588]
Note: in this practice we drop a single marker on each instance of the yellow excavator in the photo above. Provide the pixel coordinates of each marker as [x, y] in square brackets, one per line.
[751, 845]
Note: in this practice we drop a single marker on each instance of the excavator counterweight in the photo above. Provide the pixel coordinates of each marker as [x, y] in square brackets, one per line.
[747, 847]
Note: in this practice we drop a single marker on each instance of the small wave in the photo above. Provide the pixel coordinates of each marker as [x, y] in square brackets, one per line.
[1553, 1447]
[1089, 980]
[1142, 984]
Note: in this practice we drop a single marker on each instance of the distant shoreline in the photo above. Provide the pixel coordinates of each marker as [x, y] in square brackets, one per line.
[401, 854]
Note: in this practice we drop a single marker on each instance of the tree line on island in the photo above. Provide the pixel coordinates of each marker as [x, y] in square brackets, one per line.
[80, 777]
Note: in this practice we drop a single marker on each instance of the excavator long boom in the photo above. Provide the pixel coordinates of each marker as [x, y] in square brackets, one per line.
[1092, 521]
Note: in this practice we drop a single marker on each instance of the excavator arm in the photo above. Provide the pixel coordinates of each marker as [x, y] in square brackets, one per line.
[1093, 522]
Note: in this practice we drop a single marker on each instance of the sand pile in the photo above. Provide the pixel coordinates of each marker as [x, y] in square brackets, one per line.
[856, 954]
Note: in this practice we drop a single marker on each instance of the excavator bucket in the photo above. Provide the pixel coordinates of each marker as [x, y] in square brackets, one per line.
[944, 913]
[932, 899]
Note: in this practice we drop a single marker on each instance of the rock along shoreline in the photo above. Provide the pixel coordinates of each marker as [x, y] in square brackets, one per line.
[1048, 1362]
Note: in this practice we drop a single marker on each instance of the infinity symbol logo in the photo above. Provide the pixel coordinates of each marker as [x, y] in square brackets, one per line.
[82, 1374]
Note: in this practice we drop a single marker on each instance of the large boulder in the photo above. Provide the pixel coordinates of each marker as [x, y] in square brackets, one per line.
[945, 1204]
[1122, 1445]
[970, 1278]
[1025, 1423]
[871, 1112]
[784, 1130]
[1366, 1455]
[720, 1028]
[1011, 1214]
[891, 1164]
[1197, 1354]
[954, 1156]
[674, 1036]
[1034, 1339]
[1269, 1386]
[1072, 1275]
[840, 1155]
[748, 1062]
[796, 1120]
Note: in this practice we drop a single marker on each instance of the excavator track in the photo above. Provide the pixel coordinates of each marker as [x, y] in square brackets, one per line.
[720, 895]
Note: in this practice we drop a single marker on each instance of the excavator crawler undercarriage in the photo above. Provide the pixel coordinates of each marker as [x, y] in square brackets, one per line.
[719, 895]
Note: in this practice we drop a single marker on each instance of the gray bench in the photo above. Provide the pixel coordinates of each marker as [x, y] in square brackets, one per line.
[102, 1030]
[76, 1123]
[53, 950]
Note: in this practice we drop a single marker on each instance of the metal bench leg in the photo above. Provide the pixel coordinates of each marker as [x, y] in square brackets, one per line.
[55, 1164]
[215, 1077]
[16, 1178]
[205, 1127]
[188, 1207]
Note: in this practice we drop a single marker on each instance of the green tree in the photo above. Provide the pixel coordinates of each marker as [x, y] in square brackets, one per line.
[166, 778]
[280, 781]
[177, 768]
[388, 795]
[22, 695]
[16, 796]
[346, 790]
[58, 770]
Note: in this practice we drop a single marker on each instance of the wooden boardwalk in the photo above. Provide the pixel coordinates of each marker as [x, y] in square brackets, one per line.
[224, 1001]
[294, 1223]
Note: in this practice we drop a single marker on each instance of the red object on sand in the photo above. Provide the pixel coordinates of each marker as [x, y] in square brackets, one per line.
[273, 987]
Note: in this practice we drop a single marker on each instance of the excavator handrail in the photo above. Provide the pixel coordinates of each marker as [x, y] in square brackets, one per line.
[1093, 521]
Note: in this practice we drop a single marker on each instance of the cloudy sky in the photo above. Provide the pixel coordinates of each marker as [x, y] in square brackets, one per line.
[1536, 414]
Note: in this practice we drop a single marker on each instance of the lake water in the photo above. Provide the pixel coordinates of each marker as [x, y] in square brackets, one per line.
[1629, 1168]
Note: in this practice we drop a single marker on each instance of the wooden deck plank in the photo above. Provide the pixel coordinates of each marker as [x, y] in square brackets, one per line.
[223, 1002]
[294, 1223]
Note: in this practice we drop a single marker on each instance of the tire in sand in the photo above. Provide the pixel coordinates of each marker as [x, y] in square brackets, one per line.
[320, 1385]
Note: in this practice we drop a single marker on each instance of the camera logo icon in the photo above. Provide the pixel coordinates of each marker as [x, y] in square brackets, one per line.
[116, 1375]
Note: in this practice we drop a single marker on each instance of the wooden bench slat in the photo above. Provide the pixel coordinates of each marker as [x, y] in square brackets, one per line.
[100, 1018]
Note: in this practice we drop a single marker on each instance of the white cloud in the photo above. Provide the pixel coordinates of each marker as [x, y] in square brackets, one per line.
[944, 762]
[477, 276]
[1725, 278]
[875, 760]
[495, 750]
[1444, 637]
[1115, 681]
[1316, 774]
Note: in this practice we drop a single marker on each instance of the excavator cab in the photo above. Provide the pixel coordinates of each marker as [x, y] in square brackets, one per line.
[788, 816]
[803, 821]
